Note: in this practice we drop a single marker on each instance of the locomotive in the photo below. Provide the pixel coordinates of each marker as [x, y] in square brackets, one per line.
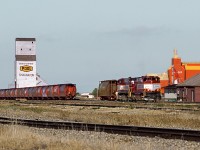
[138, 88]
[47, 92]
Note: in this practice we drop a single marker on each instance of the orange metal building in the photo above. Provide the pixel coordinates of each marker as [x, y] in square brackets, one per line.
[180, 71]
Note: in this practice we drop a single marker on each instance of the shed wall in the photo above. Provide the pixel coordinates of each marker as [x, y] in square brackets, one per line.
[197, 94]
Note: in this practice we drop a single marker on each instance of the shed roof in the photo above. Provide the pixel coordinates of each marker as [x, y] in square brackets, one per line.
[193, 81]
[171, 86]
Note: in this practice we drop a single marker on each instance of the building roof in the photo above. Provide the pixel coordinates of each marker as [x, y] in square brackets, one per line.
[193, 63]
[193, 81]
[25, 39]
[173, 86]
[197, 68]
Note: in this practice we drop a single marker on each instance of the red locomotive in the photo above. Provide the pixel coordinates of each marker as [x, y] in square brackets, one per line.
[139, 88]
[59, 91]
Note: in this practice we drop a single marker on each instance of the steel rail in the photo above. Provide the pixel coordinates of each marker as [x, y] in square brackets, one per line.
[113, 105]
[190, 135]
[121, 106]
[135, 107]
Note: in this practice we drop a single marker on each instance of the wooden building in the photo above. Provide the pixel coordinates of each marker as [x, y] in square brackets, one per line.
[189, 90]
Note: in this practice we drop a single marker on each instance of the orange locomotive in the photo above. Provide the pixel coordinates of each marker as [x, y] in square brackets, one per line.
[58, 91]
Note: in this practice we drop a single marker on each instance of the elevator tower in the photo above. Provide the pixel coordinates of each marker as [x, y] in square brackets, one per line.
[25, 62]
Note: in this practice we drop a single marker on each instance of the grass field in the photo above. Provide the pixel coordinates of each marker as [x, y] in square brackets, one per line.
[120, 116]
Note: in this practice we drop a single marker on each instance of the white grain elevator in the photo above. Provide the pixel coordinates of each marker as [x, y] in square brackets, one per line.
[25, 62]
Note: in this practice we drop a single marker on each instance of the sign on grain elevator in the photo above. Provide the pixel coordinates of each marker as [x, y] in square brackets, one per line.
[25, 62]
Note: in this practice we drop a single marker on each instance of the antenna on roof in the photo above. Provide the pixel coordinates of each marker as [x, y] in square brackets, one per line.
[175, 53]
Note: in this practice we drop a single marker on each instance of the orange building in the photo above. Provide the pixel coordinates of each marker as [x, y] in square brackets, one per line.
[180, 71]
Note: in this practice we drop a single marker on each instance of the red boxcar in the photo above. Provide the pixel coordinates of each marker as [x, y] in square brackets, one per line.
[39, 92]
[49, 92]
[67, 91]
[2, 94]
[56, 91]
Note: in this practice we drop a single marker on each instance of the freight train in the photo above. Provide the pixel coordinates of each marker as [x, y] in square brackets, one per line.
[138, 88]
[49, 92]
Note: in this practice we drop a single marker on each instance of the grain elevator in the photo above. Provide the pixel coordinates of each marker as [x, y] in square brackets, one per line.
[25, 62]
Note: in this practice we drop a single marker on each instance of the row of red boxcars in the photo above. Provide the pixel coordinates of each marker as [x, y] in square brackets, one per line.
[59, 91]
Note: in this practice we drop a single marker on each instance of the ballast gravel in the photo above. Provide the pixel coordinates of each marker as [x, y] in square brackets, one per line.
[121, 142]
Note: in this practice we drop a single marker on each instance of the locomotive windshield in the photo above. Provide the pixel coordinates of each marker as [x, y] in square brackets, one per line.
[151, 78]
[125, 81]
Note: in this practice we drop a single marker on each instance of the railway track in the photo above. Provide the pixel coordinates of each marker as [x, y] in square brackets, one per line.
[112, 104]
[190, 135]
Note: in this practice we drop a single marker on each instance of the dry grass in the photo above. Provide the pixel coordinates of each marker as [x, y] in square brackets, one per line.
[139, 117]
[121, 116]
[14, 137]
[22, 138]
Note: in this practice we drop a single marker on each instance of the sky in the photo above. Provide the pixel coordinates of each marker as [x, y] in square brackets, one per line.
[87, 41]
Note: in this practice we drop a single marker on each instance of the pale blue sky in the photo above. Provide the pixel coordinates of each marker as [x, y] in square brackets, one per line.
[86, 41]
